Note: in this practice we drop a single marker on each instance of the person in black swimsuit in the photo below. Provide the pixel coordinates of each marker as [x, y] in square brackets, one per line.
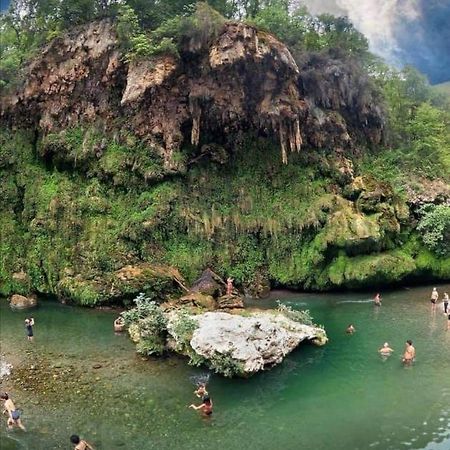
[445, 303]
[29, 327]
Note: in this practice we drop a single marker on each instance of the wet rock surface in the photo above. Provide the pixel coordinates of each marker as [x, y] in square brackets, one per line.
[22, 302]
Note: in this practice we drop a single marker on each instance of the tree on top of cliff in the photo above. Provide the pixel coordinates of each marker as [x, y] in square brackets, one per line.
[28, 24]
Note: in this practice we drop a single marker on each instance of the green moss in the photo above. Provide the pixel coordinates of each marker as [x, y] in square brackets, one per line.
[370, 270]
[98, 204]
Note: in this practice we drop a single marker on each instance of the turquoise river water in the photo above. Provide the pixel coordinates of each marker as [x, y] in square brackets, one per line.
[343, 396]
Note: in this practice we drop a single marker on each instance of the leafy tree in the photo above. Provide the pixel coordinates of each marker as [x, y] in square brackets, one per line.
[435, 228]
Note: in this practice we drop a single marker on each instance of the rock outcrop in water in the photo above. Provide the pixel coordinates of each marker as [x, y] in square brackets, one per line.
[254, 342]
[21, 302]
[230, 344]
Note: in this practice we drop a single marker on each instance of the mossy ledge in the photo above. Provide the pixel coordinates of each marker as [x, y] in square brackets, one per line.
[103, 197]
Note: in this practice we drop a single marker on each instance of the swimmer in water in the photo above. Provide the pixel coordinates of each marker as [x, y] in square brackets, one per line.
[410, 353]
[201, 390]
[377, 300]
[385, 350]
[205, 407]
[12, 411]
[350, 329]
[80, 444]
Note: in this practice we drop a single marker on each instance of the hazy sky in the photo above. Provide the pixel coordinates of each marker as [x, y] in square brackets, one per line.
[415, 32]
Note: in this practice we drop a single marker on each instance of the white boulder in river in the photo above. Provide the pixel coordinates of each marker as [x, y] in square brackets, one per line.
[253, 342]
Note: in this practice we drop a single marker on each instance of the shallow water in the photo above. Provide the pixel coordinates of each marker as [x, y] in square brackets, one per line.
[341, 396]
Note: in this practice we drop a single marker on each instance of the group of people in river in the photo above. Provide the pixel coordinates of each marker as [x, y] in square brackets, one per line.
[409, 354]
[206, 405]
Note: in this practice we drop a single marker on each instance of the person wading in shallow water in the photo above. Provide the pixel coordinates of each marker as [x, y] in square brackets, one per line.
[205, 407]
[445, 303]
[377, 300]
[29, 328]
[80, 444]
[410, 353]
[434, 298]
[13, 412]
[385, 350]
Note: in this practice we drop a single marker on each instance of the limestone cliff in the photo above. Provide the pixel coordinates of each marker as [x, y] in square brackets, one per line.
[119, 177]
[245, 79]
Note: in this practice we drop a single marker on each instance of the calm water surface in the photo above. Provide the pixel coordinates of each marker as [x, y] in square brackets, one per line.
[339, 397]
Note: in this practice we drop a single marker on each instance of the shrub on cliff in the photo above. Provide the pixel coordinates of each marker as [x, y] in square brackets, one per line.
[435, 228]
[148, 324]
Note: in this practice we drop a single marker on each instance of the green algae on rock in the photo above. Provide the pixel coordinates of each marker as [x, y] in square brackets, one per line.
[119, 164]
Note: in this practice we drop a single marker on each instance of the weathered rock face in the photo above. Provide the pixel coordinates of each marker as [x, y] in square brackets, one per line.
[208, 284]
[128, 281]
[244, 79]
[21, 302]
[256, 342]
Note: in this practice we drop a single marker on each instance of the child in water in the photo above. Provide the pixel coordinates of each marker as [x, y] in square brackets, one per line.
[29, 327]
[80, 444]
[201, 390]
[12, 411]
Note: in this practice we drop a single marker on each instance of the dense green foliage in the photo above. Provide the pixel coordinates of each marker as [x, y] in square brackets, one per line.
[300, 316]
[148, 326]
[151, 27]
[71, 216]
[435, 228]
[252, 216]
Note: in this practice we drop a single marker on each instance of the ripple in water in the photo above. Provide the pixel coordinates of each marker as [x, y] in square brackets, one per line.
[5, 368]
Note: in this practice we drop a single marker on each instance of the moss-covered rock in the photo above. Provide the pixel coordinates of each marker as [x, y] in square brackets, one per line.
[155, 280]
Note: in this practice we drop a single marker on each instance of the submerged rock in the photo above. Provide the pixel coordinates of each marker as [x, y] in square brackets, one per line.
[21, 302]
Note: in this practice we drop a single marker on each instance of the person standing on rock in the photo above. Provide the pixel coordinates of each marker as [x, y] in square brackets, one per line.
[434, 298]
[29, 328]
[12, 411]
[80, 444]
[229, 285]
